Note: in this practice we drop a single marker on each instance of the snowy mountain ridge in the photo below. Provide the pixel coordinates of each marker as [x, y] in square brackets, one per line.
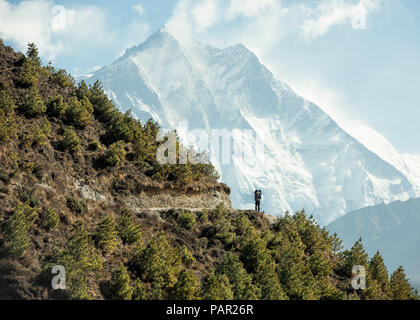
[309, 160]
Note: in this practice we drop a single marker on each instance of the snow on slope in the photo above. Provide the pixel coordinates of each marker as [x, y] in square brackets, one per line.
[309, 161]
[408, 164]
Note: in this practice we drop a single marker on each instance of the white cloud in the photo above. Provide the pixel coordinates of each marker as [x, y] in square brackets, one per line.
[139, 9]
[263, 25]
[265, 22]
[332, 101]
[57, 30]
[337, 12]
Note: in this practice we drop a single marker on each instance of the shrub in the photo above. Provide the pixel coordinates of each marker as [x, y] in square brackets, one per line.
[76, 206]
[106, 234]
[28, 198]
[94, 145]
[186, 220]
[186, 256]
[14, 159]
[139, 292]
[128, 231]
[79, 113]
[115, 154]
[39, 135]
[70, 141]
[203, 216]
[56, 106]
[34, 105]
[28, 166]
[51, 220]
[6, 102]
[7, 127]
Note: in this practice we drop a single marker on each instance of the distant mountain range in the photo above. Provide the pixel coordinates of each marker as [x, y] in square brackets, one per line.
[393, 228]
[309, 162]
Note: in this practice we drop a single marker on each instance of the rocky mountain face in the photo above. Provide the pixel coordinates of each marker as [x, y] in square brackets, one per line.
[308, 161]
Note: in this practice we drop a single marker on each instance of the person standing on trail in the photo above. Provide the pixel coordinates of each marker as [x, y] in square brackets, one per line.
[257, 195]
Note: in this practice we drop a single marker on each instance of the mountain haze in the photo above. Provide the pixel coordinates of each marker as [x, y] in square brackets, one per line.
[309, 160]
[391, 228]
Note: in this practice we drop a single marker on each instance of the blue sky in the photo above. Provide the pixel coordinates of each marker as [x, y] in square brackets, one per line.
[360, 73]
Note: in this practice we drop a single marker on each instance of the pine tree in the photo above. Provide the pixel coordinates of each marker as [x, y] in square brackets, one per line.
[71, 141]
[79, 113]
[34, 105]
[16, 237]
[33, 54]
[79, 259]
[241, 281]
[106, 235]
[187, 287]
[160, 264]
[115, 154]
[400, 286]
[217, 287]
[379, 272]
[120, 284]
[128, 231]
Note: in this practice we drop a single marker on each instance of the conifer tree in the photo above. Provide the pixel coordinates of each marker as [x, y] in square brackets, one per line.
[217, 287]
[33, 54]
[400, 286]
[160, 264]
[187, 286]
[379, 272]
[79, 259]
[128, 231]
[241, 281]
[71, 141]
[16, 238]
[34, 105]
[120, 284]
[106, 235]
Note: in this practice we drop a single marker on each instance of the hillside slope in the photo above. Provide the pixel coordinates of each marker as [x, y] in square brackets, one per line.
[81, 189]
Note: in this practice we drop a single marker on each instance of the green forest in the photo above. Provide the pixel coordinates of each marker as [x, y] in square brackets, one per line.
[54, 132]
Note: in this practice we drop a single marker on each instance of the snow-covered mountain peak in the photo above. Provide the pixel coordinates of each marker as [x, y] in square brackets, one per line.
[309, 161]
